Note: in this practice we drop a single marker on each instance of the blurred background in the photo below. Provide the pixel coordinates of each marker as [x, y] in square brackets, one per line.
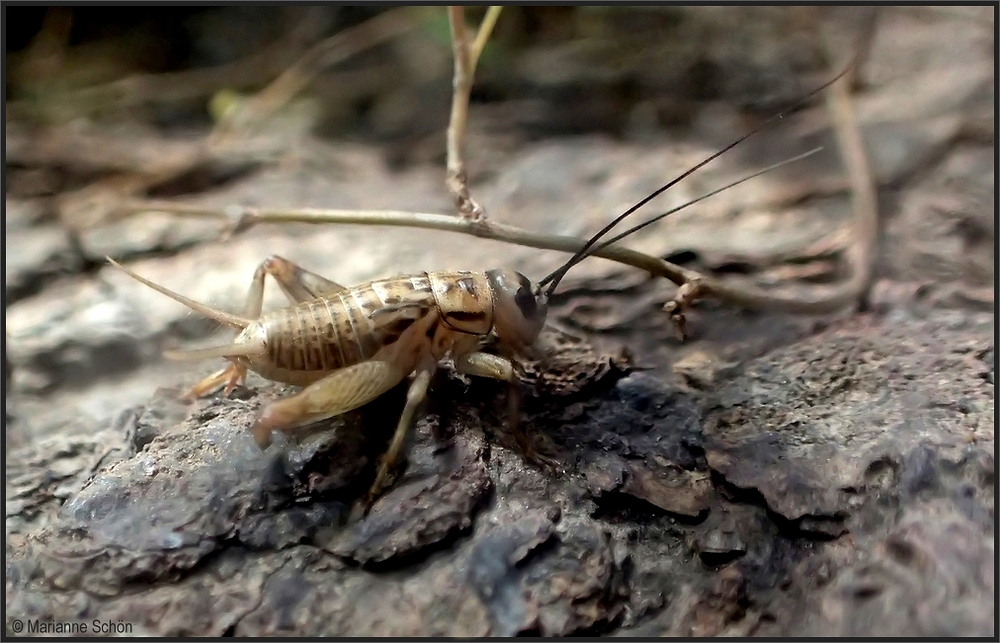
[577, 112]
[569, 69]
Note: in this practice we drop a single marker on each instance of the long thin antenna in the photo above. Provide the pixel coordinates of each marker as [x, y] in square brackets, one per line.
[651, 221]
[556, 276]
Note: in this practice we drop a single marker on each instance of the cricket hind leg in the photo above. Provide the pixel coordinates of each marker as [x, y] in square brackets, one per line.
[414, 397]
[297, 283]
[339, 392]
[501, 368]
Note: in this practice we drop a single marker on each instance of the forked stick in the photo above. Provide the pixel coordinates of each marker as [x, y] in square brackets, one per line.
[466, 58]
[692, 284]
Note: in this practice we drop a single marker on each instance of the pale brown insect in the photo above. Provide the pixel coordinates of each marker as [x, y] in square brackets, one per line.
[348, 346]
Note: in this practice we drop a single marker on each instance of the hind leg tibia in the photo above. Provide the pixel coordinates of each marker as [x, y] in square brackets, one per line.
[232, 376]
[414, 396]
[298, 285]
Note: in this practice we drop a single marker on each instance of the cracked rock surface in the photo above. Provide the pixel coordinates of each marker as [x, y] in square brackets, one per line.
[770, 476]
[798, 497]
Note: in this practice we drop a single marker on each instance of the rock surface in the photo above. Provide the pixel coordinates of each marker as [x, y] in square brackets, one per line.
[771, 476]
[801, 496]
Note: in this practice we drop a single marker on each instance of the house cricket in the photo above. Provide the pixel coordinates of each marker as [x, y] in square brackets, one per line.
[347, 346]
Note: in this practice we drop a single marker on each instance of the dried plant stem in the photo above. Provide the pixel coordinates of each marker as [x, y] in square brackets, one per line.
[694, 284]
[860, 253]
[166, 87]
[243, 218]
[691, 284]
[466, 59]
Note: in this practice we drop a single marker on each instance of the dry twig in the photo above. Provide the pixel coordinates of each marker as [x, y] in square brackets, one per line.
[466, 58]
[860, 254]
[242, 218]
[692, 285]
[97, 204]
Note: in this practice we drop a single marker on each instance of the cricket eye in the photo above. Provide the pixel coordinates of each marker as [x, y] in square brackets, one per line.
[525, 301]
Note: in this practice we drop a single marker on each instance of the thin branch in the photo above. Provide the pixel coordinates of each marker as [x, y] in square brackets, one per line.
[240, 219]
[139, 89]
[466, 59]
[485, 29]
[864, 43]
[692, 285]
[861, 253]
[80, 210]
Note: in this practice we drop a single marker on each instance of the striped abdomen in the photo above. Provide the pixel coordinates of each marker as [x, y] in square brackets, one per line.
[352, 326]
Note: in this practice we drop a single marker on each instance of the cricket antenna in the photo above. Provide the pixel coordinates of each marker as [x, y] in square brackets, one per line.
[590, 246]
[652, 220]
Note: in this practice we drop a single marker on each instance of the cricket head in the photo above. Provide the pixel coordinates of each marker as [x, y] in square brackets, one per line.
[519, 307]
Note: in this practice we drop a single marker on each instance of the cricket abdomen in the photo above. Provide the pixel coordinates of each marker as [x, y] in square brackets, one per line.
[309, 340]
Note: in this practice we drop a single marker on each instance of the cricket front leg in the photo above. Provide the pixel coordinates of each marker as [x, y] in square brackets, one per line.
[486, 365]
[500, 368]
[342, 391]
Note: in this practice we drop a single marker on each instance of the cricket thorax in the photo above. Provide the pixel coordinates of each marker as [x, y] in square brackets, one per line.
[464, 300]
